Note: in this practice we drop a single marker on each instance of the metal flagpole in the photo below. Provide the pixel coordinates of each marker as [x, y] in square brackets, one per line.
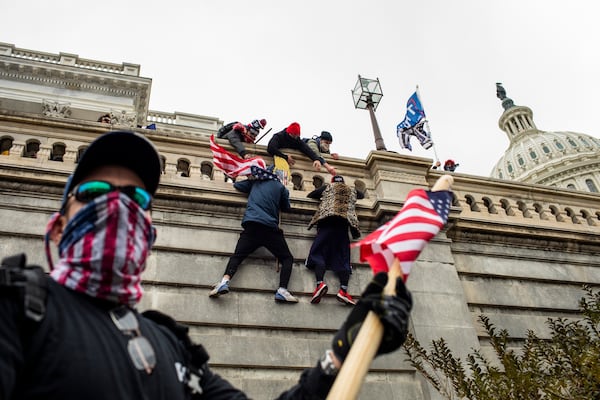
[265, 134]
[427, 123]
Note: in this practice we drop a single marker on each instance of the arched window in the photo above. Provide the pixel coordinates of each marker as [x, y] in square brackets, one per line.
[571, 186]
[571, 142]
[591, 185]
[80, 152]
[318, 181]
[360, 185]
[58, 152]
[5, 145]
[31, 149]
[520, 160]
[509, 167]
[532, 154]
[163, 163]
[297, 181]
[559, 145]
[183, 167]
[545, 148]
[206, 170]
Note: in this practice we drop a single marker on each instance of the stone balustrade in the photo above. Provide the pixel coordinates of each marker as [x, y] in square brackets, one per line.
[536, 206]
[74, 60]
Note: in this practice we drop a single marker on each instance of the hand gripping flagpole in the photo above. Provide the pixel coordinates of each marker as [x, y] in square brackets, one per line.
[358, 361]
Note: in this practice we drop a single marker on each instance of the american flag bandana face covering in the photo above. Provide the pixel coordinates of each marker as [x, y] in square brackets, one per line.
[103, 249]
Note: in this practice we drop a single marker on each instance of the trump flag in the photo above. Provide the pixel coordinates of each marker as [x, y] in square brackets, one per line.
[231, 164]
[423, 215]
[414, 124]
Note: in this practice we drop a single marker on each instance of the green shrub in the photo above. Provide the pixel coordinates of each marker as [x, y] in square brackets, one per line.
[565, 366]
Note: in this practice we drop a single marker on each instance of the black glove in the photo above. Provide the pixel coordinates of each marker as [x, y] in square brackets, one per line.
[392, 310]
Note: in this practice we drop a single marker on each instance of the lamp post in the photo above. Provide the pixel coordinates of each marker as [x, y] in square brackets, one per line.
[367, 94]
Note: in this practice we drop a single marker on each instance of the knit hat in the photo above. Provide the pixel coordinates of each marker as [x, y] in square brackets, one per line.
[337, 178]
[326, 136]
[258, 124]
[293, 129]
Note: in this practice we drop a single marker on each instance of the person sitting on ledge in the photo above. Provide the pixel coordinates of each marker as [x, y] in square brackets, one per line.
[237, 134]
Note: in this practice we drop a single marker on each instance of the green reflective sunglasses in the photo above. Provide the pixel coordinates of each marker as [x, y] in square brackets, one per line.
[88, 191]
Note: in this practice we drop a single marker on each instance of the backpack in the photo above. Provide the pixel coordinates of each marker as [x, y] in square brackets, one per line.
[225, 129]
[29, 281]
[315, 137]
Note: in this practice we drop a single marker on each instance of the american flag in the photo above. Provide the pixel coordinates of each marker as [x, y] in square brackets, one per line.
[233, 165]
[263, 174]
[423, 215]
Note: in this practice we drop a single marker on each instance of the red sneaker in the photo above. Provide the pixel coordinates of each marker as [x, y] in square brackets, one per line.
[345, 297]
[320, 291]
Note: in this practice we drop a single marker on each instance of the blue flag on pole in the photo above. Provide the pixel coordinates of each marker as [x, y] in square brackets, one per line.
[414, 124]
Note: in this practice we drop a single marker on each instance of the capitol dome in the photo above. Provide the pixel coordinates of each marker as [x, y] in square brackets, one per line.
[561, 159]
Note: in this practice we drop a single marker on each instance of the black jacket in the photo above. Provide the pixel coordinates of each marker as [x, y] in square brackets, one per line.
[281, 140]
[77, 352]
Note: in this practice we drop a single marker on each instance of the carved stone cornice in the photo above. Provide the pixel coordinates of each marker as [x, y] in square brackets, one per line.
[552, 172]
[483, 204]
[72, 78]
[56, 109]
[75, 79]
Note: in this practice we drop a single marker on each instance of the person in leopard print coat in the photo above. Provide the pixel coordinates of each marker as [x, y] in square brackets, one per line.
[331, 248]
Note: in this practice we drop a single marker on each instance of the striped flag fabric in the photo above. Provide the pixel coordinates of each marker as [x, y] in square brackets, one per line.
[422, 216]
[232, 164]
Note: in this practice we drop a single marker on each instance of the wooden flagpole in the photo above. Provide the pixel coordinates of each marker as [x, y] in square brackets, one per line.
[358, 361]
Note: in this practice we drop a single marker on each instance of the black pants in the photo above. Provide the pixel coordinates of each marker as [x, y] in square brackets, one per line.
[331, 250]
[343, 276]
[257, 235]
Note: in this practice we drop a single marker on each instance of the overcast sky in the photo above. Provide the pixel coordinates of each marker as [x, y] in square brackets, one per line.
[298, 61]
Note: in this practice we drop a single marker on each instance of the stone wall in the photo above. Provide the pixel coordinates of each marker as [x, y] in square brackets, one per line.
[518, 253]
